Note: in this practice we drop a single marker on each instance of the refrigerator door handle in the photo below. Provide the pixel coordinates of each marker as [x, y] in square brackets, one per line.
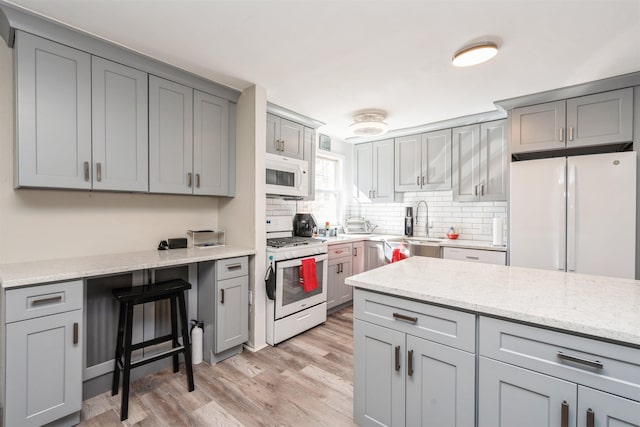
[571, 218]
[562, 220]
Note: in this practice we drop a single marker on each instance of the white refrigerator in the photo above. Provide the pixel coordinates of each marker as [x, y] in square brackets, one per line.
[575, 214]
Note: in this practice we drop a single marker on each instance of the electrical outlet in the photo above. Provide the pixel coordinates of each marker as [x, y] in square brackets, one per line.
[486, 229]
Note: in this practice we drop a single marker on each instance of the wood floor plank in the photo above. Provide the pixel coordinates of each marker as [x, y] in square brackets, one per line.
[306, 381]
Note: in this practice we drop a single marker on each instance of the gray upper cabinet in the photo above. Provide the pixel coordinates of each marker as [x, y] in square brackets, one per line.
[120, 127]
[423, 162]
[310, 156]
[284, 137]
[53, 91]
[602, 118]
[374, 171]
[480, 162]
[210, 145]
[170, 137]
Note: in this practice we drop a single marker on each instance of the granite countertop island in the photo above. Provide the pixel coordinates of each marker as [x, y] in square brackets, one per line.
[35, 272]
[600, 307]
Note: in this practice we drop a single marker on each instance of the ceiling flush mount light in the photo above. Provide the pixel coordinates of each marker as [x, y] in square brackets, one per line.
[475, 54]
[369, 123]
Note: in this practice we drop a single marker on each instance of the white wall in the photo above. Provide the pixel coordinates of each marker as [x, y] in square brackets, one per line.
[43, 224]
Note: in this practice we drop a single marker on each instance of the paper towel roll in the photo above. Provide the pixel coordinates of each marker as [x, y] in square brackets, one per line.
[497, 231]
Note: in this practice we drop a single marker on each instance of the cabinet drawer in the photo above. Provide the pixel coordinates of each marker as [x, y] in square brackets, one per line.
[450, 327]
[232, 267]
[36, 301]
[601, 365]
[475, 255]
[337, 251]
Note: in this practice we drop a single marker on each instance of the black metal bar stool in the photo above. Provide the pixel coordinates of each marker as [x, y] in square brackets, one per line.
[130, 297]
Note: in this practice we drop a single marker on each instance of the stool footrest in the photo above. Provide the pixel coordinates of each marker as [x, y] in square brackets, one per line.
[158, 356]
[151, 342]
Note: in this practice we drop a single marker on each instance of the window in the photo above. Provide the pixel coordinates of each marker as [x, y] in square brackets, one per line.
[326, 206]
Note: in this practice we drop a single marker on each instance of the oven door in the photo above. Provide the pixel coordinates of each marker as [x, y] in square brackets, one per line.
[290, 297]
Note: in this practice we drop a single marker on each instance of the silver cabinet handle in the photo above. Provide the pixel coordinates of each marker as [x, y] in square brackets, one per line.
[564, 414]
[591, 418]
[282, 145]
[417, 180]
[410, 363]
[592, 363]
[86, 171]
[234, 266]
[198, 180]
[374, 194]
[561, 134]
[405, 318]
[369, 193]
[221, 296]
[472, 257]
[189, 179]
[75, 333]
[355, 251]
[397, 358]
[422, 179]
[49, 300]
[99, 171]
[475, 190]
[276, 143]
[570, 133]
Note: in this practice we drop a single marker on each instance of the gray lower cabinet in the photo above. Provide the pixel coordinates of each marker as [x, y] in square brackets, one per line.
[43, 367]
[223, 306]
[338, 292]
[120, 138]
[606, 409]
[480, 162]
[284, 137]
[374, 255]
[358, 258]
[406, 371]
[53, 131]
[601, 118]
[374, 171]
[423, 162]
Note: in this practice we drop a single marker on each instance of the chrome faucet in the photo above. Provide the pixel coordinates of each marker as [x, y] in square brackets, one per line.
[426, 225]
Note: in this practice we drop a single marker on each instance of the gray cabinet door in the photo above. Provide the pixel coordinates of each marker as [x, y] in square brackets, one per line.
[436, 160]
[120, 127]
[43, 369]
[333, 279]
[602, 118]
[273, 134]
[210, 145]
[511, 396]
[383, 187]
[606, 409]
[408, 166]
[170, 137]
[345, 292]
[493, 161]
[538, 127]
[310, 156]
[358, 258]
[363, 159]
[466, 162]
[232, 312]
[378, 375]
[53, 132]
[292, 137]
[441, 386]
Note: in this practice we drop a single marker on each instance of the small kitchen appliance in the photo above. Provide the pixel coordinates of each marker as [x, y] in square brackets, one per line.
[286, 177]
[304, 225]
[408, 222]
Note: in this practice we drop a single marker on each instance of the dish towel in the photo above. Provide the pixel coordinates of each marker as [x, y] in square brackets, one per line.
[308, 279]
[397, 255]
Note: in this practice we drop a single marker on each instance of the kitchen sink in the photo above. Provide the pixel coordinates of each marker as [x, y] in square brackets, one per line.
[418, 246]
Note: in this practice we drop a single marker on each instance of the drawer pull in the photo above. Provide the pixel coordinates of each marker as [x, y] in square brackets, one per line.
[405, 318]
[472, 257]
[49, 300]
[564, 414]
[593, 363]
[75, 332]
[234, 266]
[397, 358]
[410, 363]
[221, 296]
[591, 421]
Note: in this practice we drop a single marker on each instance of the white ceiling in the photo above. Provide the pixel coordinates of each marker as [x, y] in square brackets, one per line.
[330, 58]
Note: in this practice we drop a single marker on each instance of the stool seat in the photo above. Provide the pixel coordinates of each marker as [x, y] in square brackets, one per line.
[173, 290]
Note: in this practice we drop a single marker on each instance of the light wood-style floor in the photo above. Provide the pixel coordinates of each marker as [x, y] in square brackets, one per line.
[305, 381]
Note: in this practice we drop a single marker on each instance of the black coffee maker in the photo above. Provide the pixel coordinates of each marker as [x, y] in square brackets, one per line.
[408, 222]
[304, 225]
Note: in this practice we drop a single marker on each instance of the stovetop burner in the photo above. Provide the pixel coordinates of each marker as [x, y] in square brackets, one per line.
[283, 242]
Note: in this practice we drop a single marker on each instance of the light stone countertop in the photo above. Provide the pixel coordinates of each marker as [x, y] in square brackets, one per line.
[458, 243]
[601, 307]
[36, 272]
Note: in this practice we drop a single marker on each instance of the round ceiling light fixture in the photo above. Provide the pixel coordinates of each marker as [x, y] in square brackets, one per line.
[475, 54]
[369, 123]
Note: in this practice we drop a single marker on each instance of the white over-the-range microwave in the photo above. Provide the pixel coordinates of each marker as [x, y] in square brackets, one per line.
[286, 176]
